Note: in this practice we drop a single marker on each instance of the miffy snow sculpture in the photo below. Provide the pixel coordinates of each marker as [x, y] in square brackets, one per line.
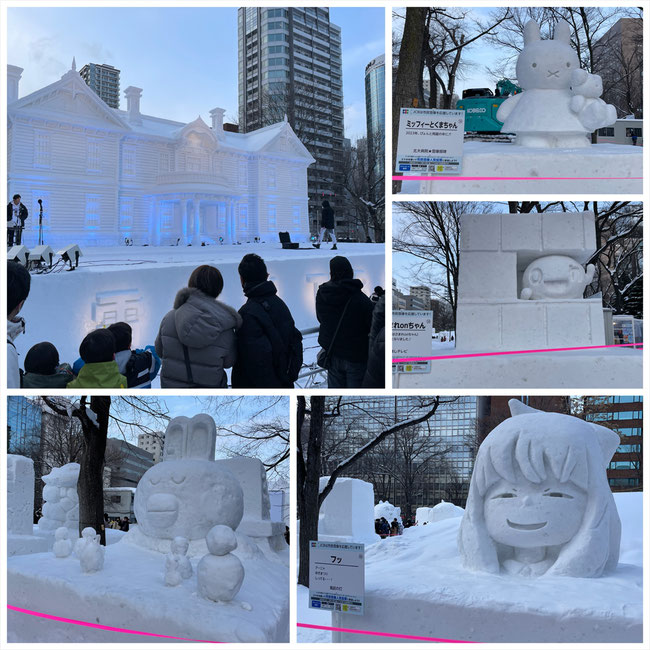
[187, 493]
[177, 565]
[62, 542]
[555, 277]
[220, 573]
[89, 551]
[539, 501]
[561, 103]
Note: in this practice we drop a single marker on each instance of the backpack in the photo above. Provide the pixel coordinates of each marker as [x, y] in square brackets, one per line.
[138, 368]
[287, 355]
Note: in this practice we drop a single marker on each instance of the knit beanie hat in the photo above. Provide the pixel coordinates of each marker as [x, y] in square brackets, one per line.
[340, 268]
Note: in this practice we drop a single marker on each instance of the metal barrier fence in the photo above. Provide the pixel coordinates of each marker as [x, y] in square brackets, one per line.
[311, 375]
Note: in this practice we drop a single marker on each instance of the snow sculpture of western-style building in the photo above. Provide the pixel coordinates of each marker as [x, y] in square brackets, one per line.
[106, 175]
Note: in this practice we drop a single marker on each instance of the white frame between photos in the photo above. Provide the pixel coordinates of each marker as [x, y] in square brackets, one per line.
[388, 391]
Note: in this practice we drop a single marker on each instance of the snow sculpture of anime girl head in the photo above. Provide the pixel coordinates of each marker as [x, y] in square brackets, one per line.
[187, 494]
[539, 501]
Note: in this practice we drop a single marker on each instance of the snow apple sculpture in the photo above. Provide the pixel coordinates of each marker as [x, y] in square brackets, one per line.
[539, 500]
[187, 493]
[561, 103]
[555, 277]
[61, 507]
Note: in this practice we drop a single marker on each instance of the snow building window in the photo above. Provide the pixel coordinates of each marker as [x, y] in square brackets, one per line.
[192, 163]
[42, 150]
[273, 217]
[93, 155]
[243, 173]
[163, 163]
[166, 215]
[295, 178]
[296, 215]
[126, 213]
[128, 160]
[243, 216]
[92, 211]
[271, 177]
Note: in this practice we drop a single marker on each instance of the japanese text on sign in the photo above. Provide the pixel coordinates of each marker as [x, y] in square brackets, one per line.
[412, 332]
[336, 576]
[430, 141]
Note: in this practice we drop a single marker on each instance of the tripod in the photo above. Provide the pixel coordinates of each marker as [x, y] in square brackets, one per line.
[40, 223]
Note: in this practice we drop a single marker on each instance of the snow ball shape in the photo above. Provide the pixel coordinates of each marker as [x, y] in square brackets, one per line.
[62, 544]
[555, 277]
[559, 105]
[186, 498]
[220, 573]
[90, 553]
[539, 500]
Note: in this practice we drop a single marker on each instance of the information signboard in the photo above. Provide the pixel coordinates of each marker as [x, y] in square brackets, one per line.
[412, 331]
[430, 141]
[337, 576]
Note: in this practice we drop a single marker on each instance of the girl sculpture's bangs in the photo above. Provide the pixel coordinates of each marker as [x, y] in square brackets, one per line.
[534, 452]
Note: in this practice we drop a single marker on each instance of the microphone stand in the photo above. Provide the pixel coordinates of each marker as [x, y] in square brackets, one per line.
[40, 223]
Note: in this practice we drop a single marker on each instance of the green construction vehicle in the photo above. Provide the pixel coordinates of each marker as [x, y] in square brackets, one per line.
[481, 106]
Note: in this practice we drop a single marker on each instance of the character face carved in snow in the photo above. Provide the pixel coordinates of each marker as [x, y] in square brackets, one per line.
[523, 514]
[555, 277]
[187, 498]
[539, 499]
[546, 64]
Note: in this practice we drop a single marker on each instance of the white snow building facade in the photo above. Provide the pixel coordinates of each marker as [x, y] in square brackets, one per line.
[106, 176]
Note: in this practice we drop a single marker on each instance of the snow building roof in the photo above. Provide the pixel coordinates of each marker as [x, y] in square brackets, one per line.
[98, 114]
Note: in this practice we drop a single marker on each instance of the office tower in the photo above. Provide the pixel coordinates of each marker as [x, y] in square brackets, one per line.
[290, 64]
[375, 114]
[104, 80]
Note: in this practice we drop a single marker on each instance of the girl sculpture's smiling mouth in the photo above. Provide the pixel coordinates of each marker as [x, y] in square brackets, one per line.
[526, 526]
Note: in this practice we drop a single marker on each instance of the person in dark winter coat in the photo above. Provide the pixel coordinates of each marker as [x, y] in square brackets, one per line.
[375, 376]
[268, 342]
[196, 340]
[18, 283]
[42, 368]
[348, 351]
[17, 213]
[326, 225]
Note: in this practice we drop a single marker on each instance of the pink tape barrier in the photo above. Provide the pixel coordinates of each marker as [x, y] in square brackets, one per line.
[101, 627]
[491, 354]
[372, 633]
[517, 178]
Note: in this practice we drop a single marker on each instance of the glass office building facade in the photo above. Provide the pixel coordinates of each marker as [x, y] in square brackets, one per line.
[376, 113]
[24, 423]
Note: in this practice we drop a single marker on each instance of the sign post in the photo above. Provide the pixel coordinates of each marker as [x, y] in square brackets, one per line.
[412, 332]
[337, 576]
[430, 141]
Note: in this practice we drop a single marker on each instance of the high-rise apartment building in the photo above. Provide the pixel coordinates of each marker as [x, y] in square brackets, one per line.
[418, 467]
[153, 443]
[104, 79]
[290, 64]
[376, 114]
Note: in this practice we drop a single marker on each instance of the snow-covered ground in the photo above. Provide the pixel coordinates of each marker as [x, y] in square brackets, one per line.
[138, 284]
[424, 563]
[129, 593]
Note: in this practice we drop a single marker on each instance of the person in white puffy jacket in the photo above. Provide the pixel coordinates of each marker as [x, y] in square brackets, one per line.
[18, 283]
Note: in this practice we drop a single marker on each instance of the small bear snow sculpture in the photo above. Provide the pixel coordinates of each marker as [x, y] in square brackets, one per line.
[62, 543]
[560, 104]
[555, 277]
[173, 575]
[539, 499]
[89, 551]
[220, 573]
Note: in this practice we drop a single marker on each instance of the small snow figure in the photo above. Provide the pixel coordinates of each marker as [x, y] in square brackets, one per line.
[91, 555]
[62, 544]
[220, 573]
[173, 575]
[179, 548]
[87, 536]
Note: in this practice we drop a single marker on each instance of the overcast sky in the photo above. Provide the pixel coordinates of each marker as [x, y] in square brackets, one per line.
[184, 59]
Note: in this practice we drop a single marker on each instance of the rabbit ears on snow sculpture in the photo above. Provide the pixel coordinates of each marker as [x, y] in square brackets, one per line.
[190, 438]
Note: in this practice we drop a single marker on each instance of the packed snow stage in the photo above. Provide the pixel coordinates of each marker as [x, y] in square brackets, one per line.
[137, 284]
[416, 585]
